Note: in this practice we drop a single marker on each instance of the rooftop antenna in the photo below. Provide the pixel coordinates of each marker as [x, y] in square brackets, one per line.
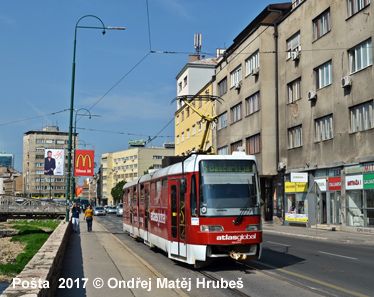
[197, 43]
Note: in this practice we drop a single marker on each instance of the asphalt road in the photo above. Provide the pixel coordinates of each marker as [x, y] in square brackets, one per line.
[289, 266]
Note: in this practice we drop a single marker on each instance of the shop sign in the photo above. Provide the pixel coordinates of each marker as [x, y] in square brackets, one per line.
[335, 172]
[321, 184]
[301, 187]
[299, 177]
[368, 167]
[369, 181]
[353, 169]
[291, 216]
[335, 183]
[289, 187]
[354, 182]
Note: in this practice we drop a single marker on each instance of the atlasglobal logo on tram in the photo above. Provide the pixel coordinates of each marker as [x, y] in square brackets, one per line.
[237, 237]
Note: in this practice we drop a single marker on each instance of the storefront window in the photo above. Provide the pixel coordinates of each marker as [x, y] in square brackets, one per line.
[355, 215]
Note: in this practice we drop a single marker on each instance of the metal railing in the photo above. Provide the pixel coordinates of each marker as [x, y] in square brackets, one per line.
[20, 207]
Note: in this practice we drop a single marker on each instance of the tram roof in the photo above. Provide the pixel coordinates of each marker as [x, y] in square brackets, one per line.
[191, 164]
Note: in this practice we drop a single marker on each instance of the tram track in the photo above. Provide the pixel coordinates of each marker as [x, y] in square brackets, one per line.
[283, 279]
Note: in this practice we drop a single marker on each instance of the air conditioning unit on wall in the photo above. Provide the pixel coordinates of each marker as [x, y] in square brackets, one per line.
[295, 55]
[256, 71]
[346, 81]
[312, 95]
[237, 85]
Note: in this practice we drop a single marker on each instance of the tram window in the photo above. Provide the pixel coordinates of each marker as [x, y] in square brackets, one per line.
[174, 213]
[142, 195]
[164, 192]
[134, 195]
[158, 193]
[182, 217]
[153, 194]
[193, 196]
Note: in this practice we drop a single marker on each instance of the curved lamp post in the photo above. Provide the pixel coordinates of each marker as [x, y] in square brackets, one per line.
[72, 101]
[74, 145]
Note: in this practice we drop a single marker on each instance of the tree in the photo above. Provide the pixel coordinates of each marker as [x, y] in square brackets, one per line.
[146, 172]
[116, 192]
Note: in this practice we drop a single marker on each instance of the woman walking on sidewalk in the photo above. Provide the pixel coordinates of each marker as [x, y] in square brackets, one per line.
[88, 215]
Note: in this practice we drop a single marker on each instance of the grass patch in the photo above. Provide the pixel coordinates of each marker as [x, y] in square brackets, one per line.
[33, 237]
[51, 224]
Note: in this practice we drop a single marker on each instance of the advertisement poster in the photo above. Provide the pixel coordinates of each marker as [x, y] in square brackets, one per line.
[84, 163]
[54, 162]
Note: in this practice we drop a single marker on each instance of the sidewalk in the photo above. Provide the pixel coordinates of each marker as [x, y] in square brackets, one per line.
[99, 254]
[319, 234]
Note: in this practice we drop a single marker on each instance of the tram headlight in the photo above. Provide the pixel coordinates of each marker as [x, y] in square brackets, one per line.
[208, 228]
[253, 228]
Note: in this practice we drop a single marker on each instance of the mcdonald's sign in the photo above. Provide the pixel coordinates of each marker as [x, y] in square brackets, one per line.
[84, 163]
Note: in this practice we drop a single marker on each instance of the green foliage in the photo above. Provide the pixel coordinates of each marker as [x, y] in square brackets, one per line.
[33, 237]
[146, 172]
[117, 192]
[51, 224]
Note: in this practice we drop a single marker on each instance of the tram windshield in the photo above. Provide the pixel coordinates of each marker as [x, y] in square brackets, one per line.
[228, 188]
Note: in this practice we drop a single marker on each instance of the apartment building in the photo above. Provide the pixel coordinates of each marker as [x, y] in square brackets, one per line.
[189, 126]
[129, 165]
[35, 145]
[326, 122]
[245, 80]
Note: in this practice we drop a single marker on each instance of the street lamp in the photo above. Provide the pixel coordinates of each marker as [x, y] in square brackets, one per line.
[75, 148]
[72, 101]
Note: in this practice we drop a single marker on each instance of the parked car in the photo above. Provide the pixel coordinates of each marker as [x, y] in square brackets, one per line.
[99, 211]
[111, 209]
[119, 211]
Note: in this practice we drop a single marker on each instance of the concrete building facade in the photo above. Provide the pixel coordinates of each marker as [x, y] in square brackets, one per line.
[245, 80]
[128, 165]
[35, 142]
[326, 111]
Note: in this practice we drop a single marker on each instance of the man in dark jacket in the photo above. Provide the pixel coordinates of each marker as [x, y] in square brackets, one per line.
[49, 164]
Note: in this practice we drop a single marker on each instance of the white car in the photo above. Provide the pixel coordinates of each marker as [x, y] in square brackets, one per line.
[119, 210]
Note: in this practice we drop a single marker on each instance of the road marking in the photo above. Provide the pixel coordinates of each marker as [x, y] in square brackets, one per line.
[353, 293]
[337, 255]
[279, 243]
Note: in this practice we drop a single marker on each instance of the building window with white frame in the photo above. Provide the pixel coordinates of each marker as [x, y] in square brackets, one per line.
[222, 121]
[293, 44]
[177, 120]
[322, 24]
[324, 128]
[222, 87]
[252, 63]
[294, 90]
[182, 136]
[296, 3]
[252, 104]
[361, 56]
[361, 117]
[236, 113]
[223, 150]
[185, 81]
[188, 133]
[200, 126]
[324, 75]
[254, 144]
[193, 129]
[355, 6]
[236, 76]
[295, 137]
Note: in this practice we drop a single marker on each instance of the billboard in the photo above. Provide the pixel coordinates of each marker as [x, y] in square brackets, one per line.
[54, 162]
[84, 163]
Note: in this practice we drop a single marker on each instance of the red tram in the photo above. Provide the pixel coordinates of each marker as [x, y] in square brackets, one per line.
[205, 207]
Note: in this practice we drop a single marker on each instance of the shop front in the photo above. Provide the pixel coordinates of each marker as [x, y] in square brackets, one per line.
[296, 204]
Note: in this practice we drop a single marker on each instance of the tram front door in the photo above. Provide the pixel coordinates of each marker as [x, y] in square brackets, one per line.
[178, 220]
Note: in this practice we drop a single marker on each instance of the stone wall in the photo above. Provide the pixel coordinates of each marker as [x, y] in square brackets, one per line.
[44, 268]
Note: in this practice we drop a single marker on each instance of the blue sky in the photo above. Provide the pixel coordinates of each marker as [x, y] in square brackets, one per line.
[116, 76]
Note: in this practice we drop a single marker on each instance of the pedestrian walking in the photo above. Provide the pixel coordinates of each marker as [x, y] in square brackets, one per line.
[75, 210]
[88, 215]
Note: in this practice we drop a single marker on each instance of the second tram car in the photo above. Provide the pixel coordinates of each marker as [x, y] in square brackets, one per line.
[205, 207]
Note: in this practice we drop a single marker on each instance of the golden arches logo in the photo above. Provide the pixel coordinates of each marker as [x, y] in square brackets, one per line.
[84, 160]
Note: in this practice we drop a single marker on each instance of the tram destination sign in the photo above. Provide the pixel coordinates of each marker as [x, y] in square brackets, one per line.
[225, 166]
